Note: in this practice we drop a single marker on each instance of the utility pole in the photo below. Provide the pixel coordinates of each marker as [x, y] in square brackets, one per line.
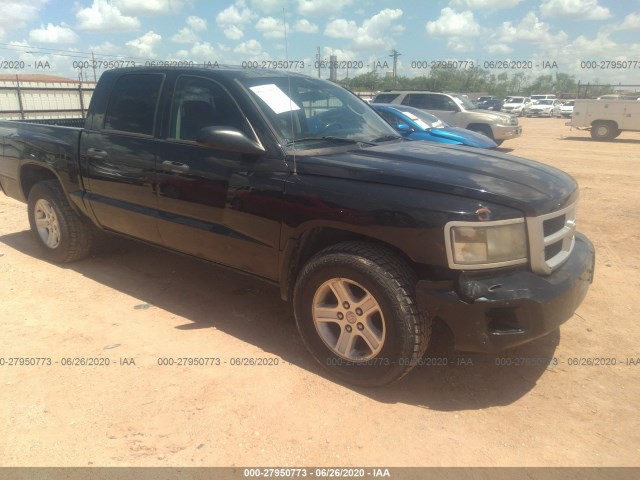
[318, 61]
[395, 56]
[93, 58]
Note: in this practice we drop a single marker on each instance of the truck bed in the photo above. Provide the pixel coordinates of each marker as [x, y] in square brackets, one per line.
[27, 144]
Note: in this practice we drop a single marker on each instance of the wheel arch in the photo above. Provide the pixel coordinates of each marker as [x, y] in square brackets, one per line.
[612, 122]
[30, 174]
[299, 250]
[481, 127]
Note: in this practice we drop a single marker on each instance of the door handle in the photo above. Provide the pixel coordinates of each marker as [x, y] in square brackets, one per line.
[96, 153]
[175, 167]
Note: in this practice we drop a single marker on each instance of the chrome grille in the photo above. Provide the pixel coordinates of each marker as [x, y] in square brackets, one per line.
[551, 238]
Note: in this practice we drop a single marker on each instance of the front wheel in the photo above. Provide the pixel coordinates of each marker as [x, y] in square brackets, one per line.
[62, 235]
[482, 129]
[355, 310]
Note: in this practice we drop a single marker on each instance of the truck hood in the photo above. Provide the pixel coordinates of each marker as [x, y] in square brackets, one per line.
[482, 175]
[489, 116]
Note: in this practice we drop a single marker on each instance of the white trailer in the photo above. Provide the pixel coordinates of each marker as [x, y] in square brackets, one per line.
[606, 118]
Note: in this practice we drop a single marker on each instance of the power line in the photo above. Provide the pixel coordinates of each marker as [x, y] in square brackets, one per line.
[65, 53]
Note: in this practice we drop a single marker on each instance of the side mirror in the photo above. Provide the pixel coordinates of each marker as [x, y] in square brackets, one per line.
[403, 128]
[229, 139]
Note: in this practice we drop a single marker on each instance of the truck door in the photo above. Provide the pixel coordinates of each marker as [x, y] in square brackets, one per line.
[220, 205]
[119, 154]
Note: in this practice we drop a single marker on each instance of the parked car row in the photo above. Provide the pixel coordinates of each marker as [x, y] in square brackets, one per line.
[457, 111]
[452, 118]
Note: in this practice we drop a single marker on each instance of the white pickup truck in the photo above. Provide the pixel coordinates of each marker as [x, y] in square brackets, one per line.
[606, 118]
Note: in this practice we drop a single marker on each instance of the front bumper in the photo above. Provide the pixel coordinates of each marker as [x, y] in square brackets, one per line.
[505, 132]
[488, 313]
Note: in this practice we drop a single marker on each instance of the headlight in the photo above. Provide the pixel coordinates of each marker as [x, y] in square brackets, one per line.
[475, 245]
[507, 122]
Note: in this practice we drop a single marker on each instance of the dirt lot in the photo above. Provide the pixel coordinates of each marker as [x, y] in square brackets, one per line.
[140, 304]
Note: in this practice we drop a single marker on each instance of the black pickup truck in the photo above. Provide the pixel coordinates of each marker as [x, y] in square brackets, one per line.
[297, 181]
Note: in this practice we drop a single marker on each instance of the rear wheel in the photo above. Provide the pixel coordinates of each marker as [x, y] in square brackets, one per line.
[355, 310]
[604, 130]
[62, 235]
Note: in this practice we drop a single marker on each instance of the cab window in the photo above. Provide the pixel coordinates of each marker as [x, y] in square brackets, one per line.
[133, 103]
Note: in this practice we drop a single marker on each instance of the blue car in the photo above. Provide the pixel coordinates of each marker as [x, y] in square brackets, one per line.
[416, 124]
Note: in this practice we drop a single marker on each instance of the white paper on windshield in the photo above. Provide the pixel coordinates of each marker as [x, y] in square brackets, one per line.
[277, 100]
[416, 120]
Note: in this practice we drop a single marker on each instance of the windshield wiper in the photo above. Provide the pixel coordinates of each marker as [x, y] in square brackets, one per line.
[388, 138]
[329, 139]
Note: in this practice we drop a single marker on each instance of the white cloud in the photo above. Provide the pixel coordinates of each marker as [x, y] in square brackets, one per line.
[185, 35]
[531, 30]
[233, 33]
[270, 27]
[16, 14]
[341, 54]
[188, 34]
[305, 26]
[630, 22]
[102, 16]
[144, 46]
[203, 52]
[322, 7]
[341, 28]
[233, 19]
[197, 24]
[454, 24]
[106, 48]
[149, 7]
[236, 14]
[372, 35]
[600, 45]
[53, 34]
[574, 9]
[250, 48]
[485, 4]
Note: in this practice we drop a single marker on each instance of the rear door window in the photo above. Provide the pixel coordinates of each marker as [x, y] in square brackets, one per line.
[133, 103]
[430, 101]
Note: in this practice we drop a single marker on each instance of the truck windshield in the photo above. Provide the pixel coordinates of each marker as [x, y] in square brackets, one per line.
[314, 111]
[464, 102]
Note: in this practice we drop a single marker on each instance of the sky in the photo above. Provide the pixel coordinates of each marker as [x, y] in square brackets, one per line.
[595, 40]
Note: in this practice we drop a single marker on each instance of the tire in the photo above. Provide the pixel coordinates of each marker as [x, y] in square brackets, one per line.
[394, 333]
[604, 131]
[62, 235]
[483, 129]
